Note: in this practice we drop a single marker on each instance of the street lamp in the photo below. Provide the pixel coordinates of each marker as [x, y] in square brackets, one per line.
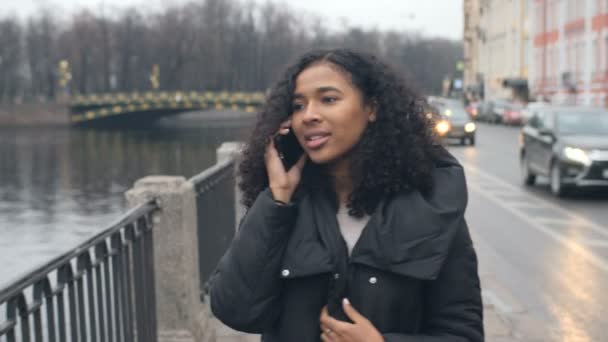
[65, 76]
[155, 77]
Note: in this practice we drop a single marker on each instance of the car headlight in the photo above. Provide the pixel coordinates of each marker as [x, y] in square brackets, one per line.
[470, 127]
[442, 127]
[577, 155]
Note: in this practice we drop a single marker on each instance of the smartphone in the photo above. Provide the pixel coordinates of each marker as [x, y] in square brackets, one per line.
[289, 149]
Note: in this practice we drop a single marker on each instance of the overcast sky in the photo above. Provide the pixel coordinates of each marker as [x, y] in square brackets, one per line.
[432, 17]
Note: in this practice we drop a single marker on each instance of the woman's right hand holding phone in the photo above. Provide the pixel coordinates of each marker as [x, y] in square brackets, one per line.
[282, 183]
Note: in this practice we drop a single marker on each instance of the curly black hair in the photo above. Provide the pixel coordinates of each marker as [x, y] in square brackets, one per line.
[395, 153]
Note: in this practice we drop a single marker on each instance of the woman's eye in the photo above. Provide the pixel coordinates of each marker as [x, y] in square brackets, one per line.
[296, 107]
[329, 99]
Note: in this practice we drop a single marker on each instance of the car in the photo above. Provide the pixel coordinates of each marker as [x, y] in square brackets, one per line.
[569, 145]
[512, 114]
[530, 107]
[452, 121]
[500, 111]
[473, 109]
[492, 110]
[437, 101]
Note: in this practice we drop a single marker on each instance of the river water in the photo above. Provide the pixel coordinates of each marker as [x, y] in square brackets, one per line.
[60, 186]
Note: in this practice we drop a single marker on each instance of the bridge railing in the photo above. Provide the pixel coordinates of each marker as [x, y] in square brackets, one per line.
[106, 107]
[215, 210]
[102, 290]
[121, 98]
[142, 279]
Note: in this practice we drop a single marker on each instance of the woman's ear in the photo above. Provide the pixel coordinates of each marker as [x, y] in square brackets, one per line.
[372, 117]
[373, 108]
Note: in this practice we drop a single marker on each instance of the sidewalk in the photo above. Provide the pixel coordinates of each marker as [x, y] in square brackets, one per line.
[497, 327]
[225, 334]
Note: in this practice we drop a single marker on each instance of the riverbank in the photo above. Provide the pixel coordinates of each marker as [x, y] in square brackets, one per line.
[37, 114]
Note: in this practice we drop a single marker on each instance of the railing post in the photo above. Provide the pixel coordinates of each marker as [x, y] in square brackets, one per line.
[231, 149]
[180, 314]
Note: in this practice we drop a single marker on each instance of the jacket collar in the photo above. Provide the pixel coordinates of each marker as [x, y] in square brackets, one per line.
[409, 234]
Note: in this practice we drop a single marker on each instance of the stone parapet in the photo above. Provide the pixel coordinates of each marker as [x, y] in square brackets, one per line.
[181, 314]
[35, 114]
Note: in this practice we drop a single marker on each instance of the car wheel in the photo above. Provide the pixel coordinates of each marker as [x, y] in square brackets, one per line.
[527, 177]
[558, 188]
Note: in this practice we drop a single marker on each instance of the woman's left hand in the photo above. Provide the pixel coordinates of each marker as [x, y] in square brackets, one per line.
[361, 330]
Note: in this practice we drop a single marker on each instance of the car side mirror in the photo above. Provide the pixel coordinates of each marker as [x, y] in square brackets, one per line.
[532, 120]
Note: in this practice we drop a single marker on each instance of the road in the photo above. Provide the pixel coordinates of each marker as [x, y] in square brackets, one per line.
[543, 260]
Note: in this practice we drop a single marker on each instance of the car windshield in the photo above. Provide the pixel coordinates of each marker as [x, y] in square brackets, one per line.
[501, 102]
[592, 123]
[454, 113]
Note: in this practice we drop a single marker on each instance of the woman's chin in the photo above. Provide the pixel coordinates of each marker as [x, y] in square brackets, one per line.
[320, 159]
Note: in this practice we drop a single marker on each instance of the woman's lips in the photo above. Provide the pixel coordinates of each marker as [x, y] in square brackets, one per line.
[316, 142]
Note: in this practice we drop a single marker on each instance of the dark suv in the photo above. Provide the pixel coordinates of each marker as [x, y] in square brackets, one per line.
[567, 144]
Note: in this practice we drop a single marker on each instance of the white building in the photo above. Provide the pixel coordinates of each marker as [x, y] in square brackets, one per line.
[569, 51]
[496, 47]
[472, 78]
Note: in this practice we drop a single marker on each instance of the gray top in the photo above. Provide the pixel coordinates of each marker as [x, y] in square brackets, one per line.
[350, 227]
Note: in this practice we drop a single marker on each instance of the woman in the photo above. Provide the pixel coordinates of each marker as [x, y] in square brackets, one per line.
[364, 238]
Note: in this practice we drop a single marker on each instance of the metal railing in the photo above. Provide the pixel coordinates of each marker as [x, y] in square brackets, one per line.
[216, 206]
[102, 290]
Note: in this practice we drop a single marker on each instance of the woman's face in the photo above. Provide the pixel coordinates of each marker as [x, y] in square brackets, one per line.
[329, 115]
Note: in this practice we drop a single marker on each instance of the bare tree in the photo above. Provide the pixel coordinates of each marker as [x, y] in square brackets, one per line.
[210, 45]
[10, 59]
[40, 39]
[106, 53]
[127, 28]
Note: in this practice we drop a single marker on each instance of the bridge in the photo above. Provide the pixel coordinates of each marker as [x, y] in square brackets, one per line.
[140, 108]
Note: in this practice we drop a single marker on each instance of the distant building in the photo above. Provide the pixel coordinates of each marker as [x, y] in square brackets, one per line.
[473, 79]
[496, 48]
[569, 59]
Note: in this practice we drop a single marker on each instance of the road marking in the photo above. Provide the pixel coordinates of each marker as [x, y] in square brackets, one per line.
[490, 297]
[518, 212]
[530, 206]
[595, 243]
[571, 223]
[540, 202]
[551, 220]
[587, 255]
[489, 186]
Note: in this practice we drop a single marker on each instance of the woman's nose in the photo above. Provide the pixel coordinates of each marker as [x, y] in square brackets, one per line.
[311, 114]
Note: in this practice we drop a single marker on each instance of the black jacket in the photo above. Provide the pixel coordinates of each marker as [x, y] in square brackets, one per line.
[413, 272]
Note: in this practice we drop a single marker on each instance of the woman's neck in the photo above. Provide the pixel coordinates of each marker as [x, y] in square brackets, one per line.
[342, 181]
